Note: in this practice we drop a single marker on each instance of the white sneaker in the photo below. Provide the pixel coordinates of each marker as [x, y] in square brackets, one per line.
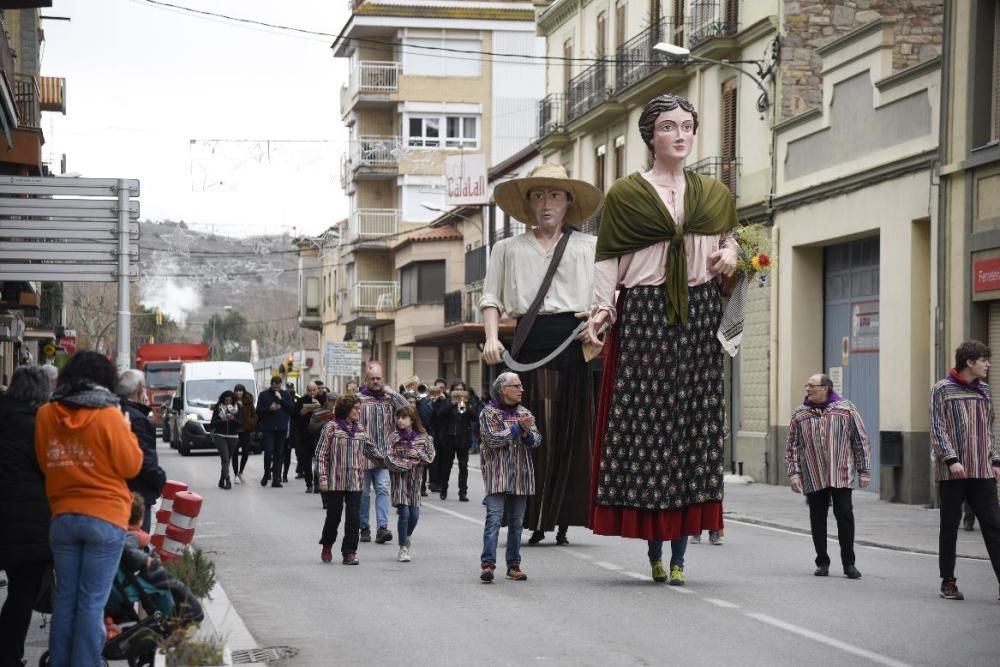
[695, 539]
[240, 477]
[404, 554]
[238, 480]
[714, 537]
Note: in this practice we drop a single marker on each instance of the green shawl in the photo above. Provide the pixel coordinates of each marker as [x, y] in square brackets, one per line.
[635, 217]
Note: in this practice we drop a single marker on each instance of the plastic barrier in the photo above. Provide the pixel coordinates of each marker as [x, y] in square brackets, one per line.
[180, 531]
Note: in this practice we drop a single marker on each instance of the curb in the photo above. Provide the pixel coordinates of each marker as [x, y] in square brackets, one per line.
[742, 518]
[227, 623]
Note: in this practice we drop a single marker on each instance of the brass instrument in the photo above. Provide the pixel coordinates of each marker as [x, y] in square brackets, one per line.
[461, 399]
[434, 392]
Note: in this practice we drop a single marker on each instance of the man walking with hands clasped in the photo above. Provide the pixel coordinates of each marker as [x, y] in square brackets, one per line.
[966, 457]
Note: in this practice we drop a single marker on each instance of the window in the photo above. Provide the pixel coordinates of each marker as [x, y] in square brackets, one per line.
[567, 64]
[600, 167]
[424, 131]
[422, 57]
[422, 283]
[678, 22]
[602, 34]
[727, 170]
[619, 157]
[986, 74]
[655, 12]
[619, 24]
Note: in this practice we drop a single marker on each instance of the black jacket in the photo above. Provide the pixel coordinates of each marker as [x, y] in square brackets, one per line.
[222, 426]
[452, 428]
[151, 477]
[24, 507]
[269, 420]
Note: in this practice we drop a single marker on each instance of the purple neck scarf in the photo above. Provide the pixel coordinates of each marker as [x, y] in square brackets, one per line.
[975, 385]
[374, 394]
[507, 410]
[406, 437]
[349, 429]
[833, 397]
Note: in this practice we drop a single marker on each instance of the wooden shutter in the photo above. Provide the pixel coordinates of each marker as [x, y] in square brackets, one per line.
[602, 34]
[567, 64]
[732, 14]
[619, 24]
[600, 168]
[655, 11]
[678, 38]
[727, 170]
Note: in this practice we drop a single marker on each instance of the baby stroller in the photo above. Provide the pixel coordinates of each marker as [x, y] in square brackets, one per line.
[138, 637]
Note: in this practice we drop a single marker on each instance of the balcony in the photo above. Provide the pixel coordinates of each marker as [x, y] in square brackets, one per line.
[28, 101]
[552, 122]
[708, 21]
[587, 90]
[462, 307]
[374, 296]
[475, 265]
[725, 169]
[372, 224]
[371, 81]
[369, 157]
[636, 60]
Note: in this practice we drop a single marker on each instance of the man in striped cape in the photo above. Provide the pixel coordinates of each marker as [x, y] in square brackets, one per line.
[966, 457]
[827, 446]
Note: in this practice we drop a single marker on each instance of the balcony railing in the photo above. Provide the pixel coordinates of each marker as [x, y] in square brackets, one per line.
[708, 20]
[475, 265]
[375, 151]
[551, 114]
[587, 90]
[368, 295]
[28, 101]
[375, 77]
[372, 223]
[452, 308]
[723, 168]
[462, 307]
[636, 59]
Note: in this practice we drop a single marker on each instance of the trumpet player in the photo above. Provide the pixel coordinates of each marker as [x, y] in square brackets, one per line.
[453, 417]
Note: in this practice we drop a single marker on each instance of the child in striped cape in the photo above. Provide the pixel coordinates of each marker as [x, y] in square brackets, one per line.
[411, 449]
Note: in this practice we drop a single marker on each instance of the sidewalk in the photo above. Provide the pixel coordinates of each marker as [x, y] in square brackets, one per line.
[877, 523]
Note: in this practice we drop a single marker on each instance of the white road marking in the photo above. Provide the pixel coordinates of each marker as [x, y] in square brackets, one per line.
[607, 566]
[721, 603]
[829, 641]
[457, 515]
[578, 554]
[636, 575]
[680, 589]
[833, 540]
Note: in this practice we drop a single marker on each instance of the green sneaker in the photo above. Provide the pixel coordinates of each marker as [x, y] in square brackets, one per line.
[676, 575]
[659, 573]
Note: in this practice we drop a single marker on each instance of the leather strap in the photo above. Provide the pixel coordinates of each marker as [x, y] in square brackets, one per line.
[527, 320]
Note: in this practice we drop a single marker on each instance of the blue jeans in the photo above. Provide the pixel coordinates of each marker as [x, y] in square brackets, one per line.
[677, 549]
[495, 505]
[379, 478]
[409, 515]
[86, 551]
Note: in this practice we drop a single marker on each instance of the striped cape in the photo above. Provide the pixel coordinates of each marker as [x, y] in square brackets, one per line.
[405, 473]
[961, 429]
[378, 417]
[341, 461]
[827, 448]
[505, 456]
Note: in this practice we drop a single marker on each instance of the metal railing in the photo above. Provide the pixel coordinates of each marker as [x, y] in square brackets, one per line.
[723, 168]
[28, 101]
[462, 307]
[551, 114]
[453, 308]
[375, 77]
[345, 172]
[372, 223]
[475, 265]
[375, 151]
[374, 295]
[587, 90]
[708, 21]
[635, 59]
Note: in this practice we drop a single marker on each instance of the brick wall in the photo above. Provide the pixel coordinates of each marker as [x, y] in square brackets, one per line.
[810, 24]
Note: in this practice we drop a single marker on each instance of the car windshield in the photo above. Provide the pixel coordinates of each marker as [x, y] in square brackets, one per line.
[204, 393]
[162, 377]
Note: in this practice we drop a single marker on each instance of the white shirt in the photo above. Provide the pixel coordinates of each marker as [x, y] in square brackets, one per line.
[518, 264]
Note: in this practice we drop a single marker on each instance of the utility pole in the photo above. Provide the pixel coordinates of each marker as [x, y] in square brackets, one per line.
[123, 357]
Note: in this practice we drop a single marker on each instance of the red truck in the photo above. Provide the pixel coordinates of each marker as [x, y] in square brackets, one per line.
[162, 365]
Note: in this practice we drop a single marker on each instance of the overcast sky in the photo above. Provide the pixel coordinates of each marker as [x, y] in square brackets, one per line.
[143, 82]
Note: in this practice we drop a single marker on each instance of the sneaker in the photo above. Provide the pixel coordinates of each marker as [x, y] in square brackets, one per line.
[264, 480]
[714, 537]
[676, 575]
[351, 559]
[695, 539]
[949, 589]
[822, 571]
[327, 554]
[276, 484]
[239, 476]
[659, 572]
[486, 573]
[238, 479]
[382, 535]
[852, 572]
[366, 534]
[404, 554]
[514, 572]
[463, 498]
[561, 539]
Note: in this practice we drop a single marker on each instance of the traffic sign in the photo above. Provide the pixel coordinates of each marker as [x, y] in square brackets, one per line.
[343, 358]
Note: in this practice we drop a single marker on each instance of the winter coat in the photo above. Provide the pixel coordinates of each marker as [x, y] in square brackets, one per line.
[222, 426]
[452, 428]
[151, 477]
[274, 421]
[248, 415]
[24, 507]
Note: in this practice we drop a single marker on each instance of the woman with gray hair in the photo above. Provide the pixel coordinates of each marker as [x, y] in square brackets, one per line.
[24, 508]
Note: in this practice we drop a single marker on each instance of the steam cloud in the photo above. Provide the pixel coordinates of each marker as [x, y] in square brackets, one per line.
[174, 298]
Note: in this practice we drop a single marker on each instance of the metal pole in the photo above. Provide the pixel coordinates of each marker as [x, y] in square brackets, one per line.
[123, 357]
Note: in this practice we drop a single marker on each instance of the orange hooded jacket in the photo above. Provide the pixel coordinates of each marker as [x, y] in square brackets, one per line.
[86, 454]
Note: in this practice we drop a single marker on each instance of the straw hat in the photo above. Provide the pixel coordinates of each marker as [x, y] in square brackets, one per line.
[512, 196]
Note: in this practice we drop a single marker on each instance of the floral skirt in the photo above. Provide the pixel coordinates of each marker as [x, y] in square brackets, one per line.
[660, 426]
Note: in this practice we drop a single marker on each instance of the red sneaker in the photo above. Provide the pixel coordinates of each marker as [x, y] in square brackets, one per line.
[327, 554]
[486, 576]
[351, 559]
[514, 573]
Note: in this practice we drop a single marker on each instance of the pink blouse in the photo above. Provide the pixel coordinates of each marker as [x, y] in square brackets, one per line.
[648, 266]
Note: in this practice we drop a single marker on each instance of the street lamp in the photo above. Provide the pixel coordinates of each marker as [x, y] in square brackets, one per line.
[431, 206]
[764, 68]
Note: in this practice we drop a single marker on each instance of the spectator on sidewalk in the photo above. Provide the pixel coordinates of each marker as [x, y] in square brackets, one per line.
[305, 443]
[341, 475]
[247, 430]
[24, 509]
[132, 389]
[827, 447]
[87, 451]
[966, 457]
[453, 418]
[225, 427]
[410, 450]
[378, 417]
[507, 436]
[274, 411]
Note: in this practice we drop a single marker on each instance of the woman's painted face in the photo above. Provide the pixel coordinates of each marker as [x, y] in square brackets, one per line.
[404, 423]
[673, 134]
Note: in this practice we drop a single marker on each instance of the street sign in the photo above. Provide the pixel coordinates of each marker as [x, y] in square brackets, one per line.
[40, 230]
[343, 358]
[61, 185]
[466, 179]
[99, 272]
[106, 252]
[68, 344]
[104, 209]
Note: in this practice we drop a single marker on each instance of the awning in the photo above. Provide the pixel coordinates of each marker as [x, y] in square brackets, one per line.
[464, 333]
[52, 93]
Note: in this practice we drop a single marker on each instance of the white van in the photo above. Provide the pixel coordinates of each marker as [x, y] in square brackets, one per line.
[198, 389]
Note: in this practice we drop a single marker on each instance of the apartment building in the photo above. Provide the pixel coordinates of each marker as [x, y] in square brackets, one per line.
[422, 86]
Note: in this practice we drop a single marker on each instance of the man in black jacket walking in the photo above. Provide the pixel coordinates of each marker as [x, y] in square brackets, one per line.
[274, 411]
[132, 390]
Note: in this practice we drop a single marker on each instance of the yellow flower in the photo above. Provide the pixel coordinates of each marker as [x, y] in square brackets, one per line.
[755, 262]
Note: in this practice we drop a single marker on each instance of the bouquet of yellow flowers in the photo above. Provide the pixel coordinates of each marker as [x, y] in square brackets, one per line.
[753, 244]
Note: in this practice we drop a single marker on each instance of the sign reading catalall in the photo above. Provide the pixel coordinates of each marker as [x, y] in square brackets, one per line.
[466, 179]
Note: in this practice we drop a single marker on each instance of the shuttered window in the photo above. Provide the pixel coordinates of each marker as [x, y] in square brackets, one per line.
[619, 157]
[655, 12]
[619, 24]
[727, 171]
[567, 64]
[602, 34]
[678, 23]
[600, 167]
[732, 12]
